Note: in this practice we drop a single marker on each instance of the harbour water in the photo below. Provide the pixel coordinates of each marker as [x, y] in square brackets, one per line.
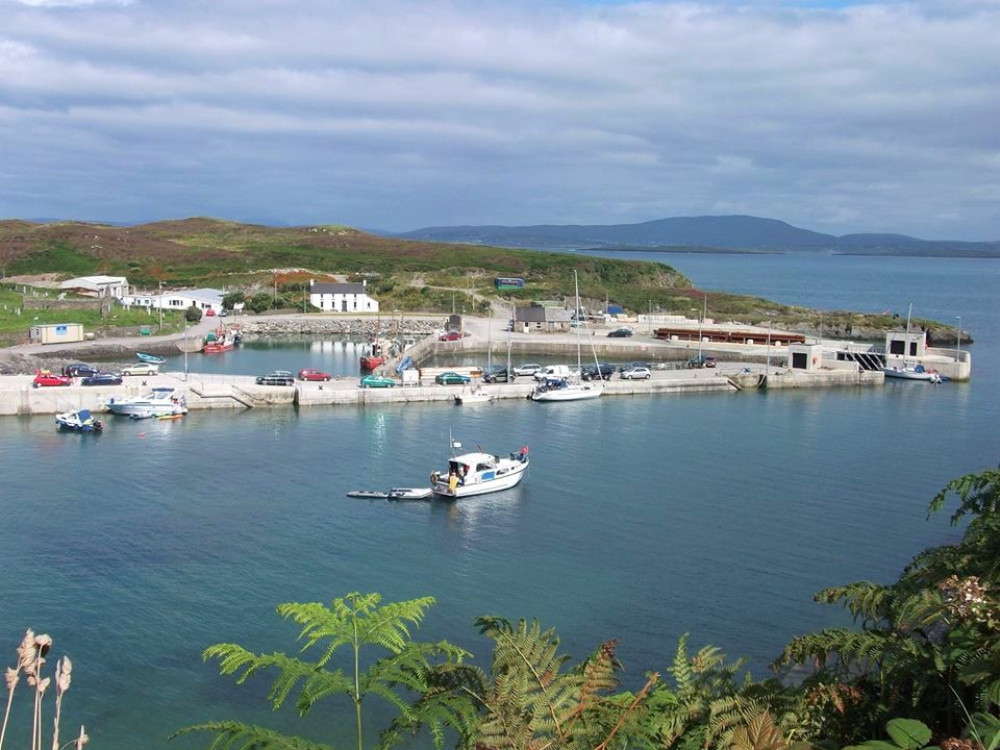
[641, 518]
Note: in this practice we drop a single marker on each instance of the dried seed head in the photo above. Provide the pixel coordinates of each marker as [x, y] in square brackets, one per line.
[64, 669]
[10, 676]
[44, 643]
[82, 740]
[26, 651]
[44, 685]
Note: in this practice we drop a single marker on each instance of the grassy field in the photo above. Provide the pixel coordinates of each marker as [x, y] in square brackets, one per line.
[15, 321]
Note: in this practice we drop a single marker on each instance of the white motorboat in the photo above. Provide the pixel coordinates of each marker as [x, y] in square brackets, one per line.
[478, 473]
[159, 402]
[475, 396]
[574, 387]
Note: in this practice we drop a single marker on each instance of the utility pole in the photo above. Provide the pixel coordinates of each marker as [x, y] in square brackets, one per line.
[958, 340]
[159, 303]
[185, 348]
[649, 318]
[768, 369]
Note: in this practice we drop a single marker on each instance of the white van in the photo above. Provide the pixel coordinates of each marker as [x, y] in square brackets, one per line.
[553, 371]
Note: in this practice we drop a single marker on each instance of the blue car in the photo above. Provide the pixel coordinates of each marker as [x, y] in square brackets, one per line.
[102, 378]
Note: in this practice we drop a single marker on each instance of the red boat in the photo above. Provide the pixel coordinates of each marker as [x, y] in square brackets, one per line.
[222, 340]
[374, 358]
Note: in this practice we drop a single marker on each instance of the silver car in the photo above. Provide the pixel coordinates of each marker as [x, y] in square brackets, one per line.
[527, 369]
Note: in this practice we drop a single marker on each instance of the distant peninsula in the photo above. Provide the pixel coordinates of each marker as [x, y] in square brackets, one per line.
[700, 234]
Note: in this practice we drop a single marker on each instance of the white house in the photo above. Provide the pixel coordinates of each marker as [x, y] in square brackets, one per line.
[345, 298]
[203, 299]
[98, 286]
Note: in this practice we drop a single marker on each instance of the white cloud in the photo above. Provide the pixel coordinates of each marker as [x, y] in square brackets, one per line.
[873, 117]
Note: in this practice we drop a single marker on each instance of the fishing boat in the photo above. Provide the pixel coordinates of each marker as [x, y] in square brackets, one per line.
[158, 402]
[479, 473]
[78, 421]
[150, 358]
[375, 355]
[574, 387]
[220, 340]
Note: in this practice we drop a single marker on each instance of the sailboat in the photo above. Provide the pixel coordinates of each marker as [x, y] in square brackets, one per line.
[907, 372]
[573, 388]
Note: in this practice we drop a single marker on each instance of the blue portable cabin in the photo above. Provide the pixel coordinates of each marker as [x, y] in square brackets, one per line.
[508, 283]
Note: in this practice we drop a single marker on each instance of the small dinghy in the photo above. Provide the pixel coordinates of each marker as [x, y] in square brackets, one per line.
[410, 493]
[369, 494]
[150, 358]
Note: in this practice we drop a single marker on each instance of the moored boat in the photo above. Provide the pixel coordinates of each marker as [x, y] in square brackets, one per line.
[150, 358]
[158, 402]
[78, 421]
[478, 473]
[475, 396]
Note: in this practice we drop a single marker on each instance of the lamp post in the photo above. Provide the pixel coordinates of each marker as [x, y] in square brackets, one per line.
[159, 303]
[767, 370]
[958, 340]
[649, 318]
[185, 349]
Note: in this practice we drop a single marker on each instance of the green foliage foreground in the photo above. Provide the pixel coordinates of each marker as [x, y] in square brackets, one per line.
[922, 668]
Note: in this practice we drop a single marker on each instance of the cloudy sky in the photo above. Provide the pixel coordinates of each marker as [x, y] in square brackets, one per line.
[833, 115]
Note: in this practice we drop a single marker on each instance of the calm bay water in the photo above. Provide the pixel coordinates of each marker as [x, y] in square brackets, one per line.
[641, 518]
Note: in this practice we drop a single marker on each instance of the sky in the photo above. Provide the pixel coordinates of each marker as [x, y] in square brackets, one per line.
[832, 115]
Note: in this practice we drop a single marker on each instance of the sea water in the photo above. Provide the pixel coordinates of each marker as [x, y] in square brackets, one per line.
[641, 518]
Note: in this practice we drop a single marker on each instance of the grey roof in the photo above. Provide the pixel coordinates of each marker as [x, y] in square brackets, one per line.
[324, 287]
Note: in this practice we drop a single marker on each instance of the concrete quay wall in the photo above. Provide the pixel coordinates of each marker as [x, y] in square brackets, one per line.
[822, 379]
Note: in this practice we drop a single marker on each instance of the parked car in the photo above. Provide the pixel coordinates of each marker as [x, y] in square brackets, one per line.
[637, 373]
[102, 378]
[223, 313]
[496, 375]
[79, 370]
[527, 369]
[377, 381]
[45, 379]
[140, 368]
[601, 370]
[450, 336]
[210, 313]
[701, 360]
[311, 374]
[630, 365]
[620, 333]
[553, 371]
[451, 378]
[278, 377]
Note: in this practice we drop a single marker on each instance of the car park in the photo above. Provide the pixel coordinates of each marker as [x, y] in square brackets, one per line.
[601, 370]
[311, 374]
[496, 375]
[141, 368]
[377, 381]
[450, 336]
[620, 333]
[102, 378]
[46, 379]
[637, 373]
[278, 377]
[451, 378]
[701, 360]
[79, 370]
[529, 368]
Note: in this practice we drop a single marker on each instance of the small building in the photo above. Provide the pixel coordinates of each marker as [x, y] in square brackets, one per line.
[508, 283]
[805, 356]
[203, 299]
[114, 287]
[543, 318]
[343, 298]
[56, 333]
[908, 345]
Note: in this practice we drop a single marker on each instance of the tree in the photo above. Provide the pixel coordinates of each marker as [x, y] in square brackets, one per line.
[232, 299]
[353, 621]
[192, 314]
[260, 302]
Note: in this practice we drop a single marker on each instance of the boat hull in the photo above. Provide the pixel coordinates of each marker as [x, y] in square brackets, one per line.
[370, 363]
[580, 392]
[150, 358]
[907, 374]
[217, 348]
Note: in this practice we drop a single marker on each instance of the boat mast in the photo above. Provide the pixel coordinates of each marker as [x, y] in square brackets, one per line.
[906, 346]
[576, 286]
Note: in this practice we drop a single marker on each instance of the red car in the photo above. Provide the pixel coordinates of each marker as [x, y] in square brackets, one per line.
[451, 336]
[311, 374]
[46, 378]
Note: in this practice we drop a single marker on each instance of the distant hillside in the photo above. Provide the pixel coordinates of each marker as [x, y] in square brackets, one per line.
[719, 232]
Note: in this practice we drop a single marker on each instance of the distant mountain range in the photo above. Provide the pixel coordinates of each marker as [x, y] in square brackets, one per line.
[700, 234]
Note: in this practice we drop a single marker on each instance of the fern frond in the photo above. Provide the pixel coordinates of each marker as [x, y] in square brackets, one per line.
[979, 495]
[233, 735]
[233, 658]
[759, 733]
